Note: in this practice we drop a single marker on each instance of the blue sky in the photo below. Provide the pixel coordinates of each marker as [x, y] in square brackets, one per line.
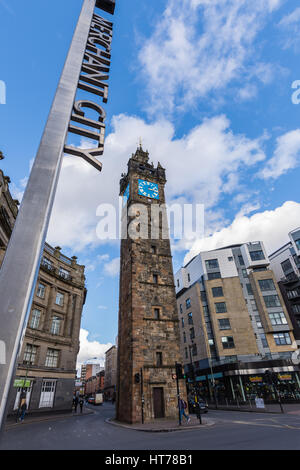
[207, 84]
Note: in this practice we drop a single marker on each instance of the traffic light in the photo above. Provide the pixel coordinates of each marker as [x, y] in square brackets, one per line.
[137, 378]
[179, 373]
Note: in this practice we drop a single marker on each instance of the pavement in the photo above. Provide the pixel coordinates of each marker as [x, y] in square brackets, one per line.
[166, 425]
[37, 418]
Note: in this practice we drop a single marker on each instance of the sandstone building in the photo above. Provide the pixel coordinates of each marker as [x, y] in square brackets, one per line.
[110, 378]
[148, 338]
[46, 366]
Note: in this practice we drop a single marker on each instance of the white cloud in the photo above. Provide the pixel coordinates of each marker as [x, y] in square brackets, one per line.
[102, 307]
[201, 46]
[91, 349]
[290, 25]
[199, 166]
[286, 155]
[270, 226]
[112, 268]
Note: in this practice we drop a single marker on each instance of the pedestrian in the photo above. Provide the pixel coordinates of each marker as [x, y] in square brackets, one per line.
[81, 404]
[182, 407]
[23, 410]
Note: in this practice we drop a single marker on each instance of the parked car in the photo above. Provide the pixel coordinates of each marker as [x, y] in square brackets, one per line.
[91, 400]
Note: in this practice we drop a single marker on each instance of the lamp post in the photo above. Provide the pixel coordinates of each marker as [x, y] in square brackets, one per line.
[20, 265]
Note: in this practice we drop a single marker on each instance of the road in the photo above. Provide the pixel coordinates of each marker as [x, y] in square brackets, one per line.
[232, 431]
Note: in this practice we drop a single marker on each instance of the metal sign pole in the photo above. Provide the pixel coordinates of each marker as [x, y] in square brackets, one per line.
[20, 266]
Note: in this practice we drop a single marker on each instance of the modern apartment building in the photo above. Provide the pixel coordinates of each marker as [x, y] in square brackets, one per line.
[285, 262]
[233, 322]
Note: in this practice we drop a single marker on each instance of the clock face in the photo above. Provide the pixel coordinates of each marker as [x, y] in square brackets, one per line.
[126, 196]
[148, 189]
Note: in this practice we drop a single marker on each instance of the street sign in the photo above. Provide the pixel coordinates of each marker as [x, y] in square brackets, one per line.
[259, 402]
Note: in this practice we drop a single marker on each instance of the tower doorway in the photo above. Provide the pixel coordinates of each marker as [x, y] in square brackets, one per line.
[158, 402]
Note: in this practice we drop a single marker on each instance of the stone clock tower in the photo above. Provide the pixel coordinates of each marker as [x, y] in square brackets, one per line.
[148, 338]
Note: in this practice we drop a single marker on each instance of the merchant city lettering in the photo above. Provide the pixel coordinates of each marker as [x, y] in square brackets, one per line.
[93, 79]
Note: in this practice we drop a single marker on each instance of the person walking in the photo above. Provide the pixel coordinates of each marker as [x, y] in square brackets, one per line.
[81, 404]
[182, 407]
[23, 410]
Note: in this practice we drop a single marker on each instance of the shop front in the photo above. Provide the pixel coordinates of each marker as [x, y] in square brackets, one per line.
[242, 384]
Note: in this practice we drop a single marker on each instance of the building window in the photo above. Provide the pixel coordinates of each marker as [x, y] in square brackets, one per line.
[211, 263]
[217, 292]
[266, 284]
[227, 342]
[278, 318]
[153, 249]
[52, 358]
[298, 243]
[282, 338]
[296, 308]
[286, 266]
[190, 318]
[64, 273]
[272, 301]
[186, 353]
[157, 313]
[184, 337]
[155, 278]
[203, 296]
[253, 304]
[258, 321]
[59, 299]
[35, 318]
[194, 350]
[230, 258]
[47, 394]
[159, 359]
[188, 303]
[244, 273]
[205, 309]
[211, 276]
[221, 307]
[182, 322]
[292, 294]
[264, 340]
[241, 260]
[192, 333]
[180, 308]
[41, 291]
[189, 277]
[224, 324]
[29, 354]
[177, 282]
[55, 326]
